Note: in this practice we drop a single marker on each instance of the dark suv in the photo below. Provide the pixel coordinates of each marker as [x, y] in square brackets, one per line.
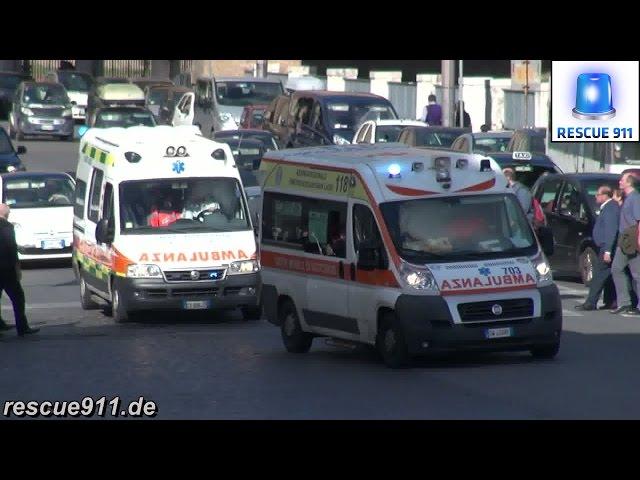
[319, 117]
[568, 201]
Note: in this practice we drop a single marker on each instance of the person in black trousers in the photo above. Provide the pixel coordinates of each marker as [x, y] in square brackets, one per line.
[10, 272]
[605, 232]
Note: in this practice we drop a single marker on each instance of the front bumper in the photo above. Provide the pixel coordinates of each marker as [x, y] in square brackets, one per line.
[32, 252]
[138, 294]
[428, 326]
[47, 126]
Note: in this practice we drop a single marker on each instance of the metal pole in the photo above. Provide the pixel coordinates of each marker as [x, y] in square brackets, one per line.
[526, 93]
[460, 101]
[448, 97]
[261, 68]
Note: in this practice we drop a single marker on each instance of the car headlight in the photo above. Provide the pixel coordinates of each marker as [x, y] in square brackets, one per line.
[418, 277]
[144, 271]
[244, 266]
[26, 111]
[67, 112]
[338, 140]
[543, 270]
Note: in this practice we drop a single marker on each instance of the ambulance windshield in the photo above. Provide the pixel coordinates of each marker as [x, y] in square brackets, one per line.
[189, 205]
[459, 228]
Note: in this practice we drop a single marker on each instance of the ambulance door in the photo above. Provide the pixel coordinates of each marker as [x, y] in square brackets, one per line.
[365, 284]
[327, 310]
[91, 248]
[183, 114]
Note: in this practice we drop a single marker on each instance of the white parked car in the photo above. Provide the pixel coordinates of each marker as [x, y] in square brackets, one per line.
[378, 131]
[41, 212]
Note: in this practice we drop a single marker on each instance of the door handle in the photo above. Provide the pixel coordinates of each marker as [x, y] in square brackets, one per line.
[341, 269]
[353, 271]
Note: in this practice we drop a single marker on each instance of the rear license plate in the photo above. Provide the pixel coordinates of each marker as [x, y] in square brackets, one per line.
[46, 127]
[524, 168]
[195, 305]
[51, 244]
[498, 332]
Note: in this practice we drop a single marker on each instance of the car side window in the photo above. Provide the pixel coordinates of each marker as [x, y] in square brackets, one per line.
[547, 194]
[570, 202]
[367, 133]
[81, 190]
[94, 195]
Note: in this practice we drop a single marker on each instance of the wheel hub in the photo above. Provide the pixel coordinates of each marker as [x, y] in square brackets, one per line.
[289, 325]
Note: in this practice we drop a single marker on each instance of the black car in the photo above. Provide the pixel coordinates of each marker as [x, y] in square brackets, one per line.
[528, 166]
[265, 137]
[568, 201]
[9, 81]
[9, 160]
[124, 117]
[247, 152]
[432, 137]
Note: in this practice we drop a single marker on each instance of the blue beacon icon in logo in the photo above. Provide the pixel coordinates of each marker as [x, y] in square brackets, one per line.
[593, 97]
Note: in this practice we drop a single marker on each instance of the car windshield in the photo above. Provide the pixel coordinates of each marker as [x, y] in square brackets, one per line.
[249, 178]
[626, 153]
[45, 95]
[38, 191]
[459, 228]
[75, 81]
[427, 138]
[239, 94]
[388, 133]
[5, 143]
[189, 205]
[123, 118]
[590, 187]
[490, 144]
[158, 96]
[348, 116]
[10, 82]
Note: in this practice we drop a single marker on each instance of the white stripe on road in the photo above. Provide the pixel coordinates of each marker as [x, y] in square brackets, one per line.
[42, 306]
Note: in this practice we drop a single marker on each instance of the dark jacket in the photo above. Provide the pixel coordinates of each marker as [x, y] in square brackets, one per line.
[605, 230]
[8, 246]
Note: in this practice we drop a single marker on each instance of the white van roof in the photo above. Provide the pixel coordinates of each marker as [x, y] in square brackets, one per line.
[145, 152]
[400, 172]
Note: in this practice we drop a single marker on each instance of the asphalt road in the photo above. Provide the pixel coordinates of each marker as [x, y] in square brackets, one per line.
[221, 367]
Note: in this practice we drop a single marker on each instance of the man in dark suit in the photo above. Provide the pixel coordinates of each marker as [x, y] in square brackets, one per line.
[605, 232]
[10, 272]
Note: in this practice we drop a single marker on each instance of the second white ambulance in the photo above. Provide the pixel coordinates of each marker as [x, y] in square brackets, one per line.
[411, 250]
[161, 223]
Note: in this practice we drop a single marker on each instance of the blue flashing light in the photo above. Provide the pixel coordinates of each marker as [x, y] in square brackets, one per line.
[593, 97]
[394, 170]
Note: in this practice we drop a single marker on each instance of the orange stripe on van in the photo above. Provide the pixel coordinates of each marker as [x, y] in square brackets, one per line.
[120, 262]
[479, 186]
[412, 192]
[296, 263]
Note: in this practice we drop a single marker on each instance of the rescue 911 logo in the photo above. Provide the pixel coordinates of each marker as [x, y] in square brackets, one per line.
[595, 101]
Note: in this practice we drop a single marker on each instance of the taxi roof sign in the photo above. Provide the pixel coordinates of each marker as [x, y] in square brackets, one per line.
[521, 155]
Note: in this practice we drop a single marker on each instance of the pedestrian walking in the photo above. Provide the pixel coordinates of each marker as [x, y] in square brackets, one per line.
[524, 195]
[466, 117]
[10, 274]
[605, 232]
[432, 113]
[626, 254]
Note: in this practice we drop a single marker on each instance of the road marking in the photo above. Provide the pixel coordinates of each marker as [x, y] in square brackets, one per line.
[42, 306]
[571, 313]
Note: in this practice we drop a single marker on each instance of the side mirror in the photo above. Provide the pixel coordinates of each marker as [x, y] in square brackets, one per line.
[545, 236]
[103, 235]
[22, 149]
[369, 257]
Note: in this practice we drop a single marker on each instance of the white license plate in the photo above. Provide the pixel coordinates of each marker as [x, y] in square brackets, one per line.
[498, 332]
[51, 244]
[195, 305]
[46, 127]
[524, 168]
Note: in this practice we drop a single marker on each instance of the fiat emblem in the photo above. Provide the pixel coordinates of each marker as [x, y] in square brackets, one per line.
[496, 309]
[195, 275]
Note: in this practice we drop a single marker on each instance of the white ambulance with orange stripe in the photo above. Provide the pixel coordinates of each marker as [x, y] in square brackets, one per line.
[411, 250]
[161, 223]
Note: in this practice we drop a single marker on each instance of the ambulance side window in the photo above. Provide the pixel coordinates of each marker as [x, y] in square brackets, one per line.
[282, 221]
[107, 206]
[365, 231]
[94, 195]
[78, 206]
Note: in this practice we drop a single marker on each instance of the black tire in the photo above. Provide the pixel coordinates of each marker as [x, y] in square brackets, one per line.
[546, 352]
[119, 314]
[294, 339]
[587, 260]
[252, 313]
[391, 342]
[86, 302]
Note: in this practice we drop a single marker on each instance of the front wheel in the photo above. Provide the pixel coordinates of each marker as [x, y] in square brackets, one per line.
[546, 352]
[588, 259]
[294, 339]
[86, 302]
[118, 312]
[391, 342]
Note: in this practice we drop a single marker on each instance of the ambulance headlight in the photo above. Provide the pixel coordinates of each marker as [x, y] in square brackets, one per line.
[338, 140]
[543, 270]
[144, 271]
[418, 277]
[244, 266]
